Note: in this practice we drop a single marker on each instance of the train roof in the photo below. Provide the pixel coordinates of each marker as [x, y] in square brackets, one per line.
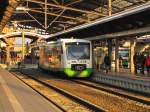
[67, 40]
[73, 40]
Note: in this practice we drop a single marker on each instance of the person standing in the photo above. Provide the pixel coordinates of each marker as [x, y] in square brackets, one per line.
[142, 63]
[107, 63]
[148, 64]
[135, 59]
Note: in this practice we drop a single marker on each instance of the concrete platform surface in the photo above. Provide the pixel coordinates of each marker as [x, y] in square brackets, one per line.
[125, 74]
[15, 96]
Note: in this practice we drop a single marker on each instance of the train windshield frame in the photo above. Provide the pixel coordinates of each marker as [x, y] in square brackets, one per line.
[77, 50]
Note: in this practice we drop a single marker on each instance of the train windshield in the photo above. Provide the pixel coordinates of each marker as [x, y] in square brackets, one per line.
[78, 50]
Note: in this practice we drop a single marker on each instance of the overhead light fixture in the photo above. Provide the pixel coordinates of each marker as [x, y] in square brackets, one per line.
[22, 8]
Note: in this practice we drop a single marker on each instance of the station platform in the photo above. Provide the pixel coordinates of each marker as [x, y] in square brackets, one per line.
[15, 96]
[123, 79]
[125, 73]
[136, 82]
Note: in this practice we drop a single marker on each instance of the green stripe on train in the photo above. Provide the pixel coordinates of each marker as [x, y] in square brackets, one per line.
[73, 73]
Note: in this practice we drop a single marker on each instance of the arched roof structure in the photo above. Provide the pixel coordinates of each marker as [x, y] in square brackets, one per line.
[30, 35]
[7, 7]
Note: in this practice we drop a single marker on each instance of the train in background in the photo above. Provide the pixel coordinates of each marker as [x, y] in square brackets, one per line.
[71, 57]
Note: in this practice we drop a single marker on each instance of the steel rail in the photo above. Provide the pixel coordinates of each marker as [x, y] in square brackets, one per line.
[81, 101]
[57, 106]
[99, 87]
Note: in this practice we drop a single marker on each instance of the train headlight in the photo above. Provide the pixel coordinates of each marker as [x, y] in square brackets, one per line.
[69, 72]
[84, 73]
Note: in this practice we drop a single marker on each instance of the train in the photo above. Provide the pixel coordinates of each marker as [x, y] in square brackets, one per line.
[70, 57]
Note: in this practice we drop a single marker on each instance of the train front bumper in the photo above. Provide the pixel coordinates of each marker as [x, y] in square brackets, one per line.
[73, 73]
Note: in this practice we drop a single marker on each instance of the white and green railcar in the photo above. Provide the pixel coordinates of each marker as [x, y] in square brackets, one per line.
[73, 57]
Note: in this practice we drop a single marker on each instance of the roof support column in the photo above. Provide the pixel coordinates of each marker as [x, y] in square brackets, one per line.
[23, 47]
[110, 50]
[132, 47]
[109, 7]
[116, 55]
[8, 55]
[45, 14]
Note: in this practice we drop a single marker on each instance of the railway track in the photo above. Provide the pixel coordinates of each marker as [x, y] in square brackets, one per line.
[105, 99]
[18, 73]
[83, 102]
[137, 97]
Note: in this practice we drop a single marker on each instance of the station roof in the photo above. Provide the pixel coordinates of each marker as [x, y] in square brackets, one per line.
[7, 8]
[3, 5]
[55, 16]
[125, 23]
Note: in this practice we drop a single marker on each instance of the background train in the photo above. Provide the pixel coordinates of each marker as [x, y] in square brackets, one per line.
[72, 57]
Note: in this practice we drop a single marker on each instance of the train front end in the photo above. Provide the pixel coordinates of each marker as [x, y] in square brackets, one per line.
[78, 58]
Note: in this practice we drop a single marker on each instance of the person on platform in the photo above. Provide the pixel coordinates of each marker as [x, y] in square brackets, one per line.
[142, 63]
[135, 59]
[107, 63]
[148, 64]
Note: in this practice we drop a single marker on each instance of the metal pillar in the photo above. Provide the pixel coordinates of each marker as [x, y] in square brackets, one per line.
[110, 49]
[8, 55]
[45, 14]
[27, 47]
[23, 47]
[132, 46]
[109, 7]
[116, 56]
[93, 56]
